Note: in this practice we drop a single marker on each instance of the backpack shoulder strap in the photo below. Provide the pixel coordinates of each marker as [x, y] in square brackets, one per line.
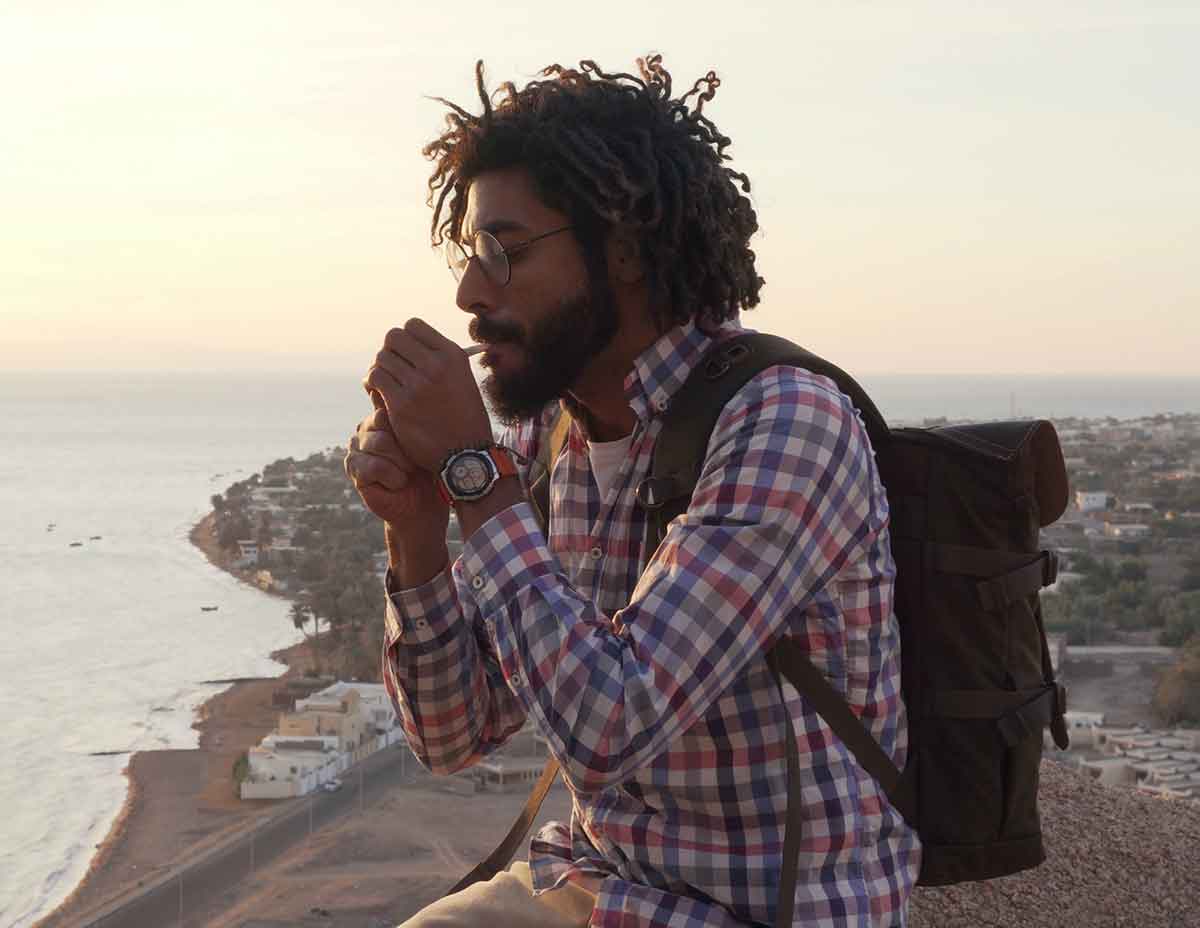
[689, 422]
[539, 488]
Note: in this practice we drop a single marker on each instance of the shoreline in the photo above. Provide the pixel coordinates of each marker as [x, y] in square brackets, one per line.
[152, 823]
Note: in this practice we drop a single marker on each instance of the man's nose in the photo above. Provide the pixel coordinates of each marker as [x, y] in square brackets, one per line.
[475, 291]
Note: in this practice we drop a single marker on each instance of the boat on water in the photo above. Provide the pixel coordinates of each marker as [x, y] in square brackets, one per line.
[76, 544]
[209, 608]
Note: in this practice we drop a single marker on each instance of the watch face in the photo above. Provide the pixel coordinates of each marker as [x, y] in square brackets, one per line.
[469, 474]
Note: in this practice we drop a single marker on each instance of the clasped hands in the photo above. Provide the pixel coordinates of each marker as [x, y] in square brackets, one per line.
[426, 405]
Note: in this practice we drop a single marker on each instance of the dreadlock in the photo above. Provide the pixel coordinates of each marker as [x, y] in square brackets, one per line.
[616, 151]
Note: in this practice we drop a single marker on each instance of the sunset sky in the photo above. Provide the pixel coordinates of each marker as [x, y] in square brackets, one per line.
[942, 187]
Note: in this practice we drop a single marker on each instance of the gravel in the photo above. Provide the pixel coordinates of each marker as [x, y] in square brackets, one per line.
[1114, 857]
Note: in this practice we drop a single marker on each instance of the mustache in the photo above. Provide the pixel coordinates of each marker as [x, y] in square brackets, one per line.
[489, 330]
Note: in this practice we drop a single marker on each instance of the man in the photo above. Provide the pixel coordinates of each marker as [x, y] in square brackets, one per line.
[601, 245]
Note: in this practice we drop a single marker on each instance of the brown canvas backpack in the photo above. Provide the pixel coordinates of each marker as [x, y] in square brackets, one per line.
[966, 503]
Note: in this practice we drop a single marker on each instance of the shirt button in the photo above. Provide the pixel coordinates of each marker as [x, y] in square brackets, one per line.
[421, 623]
[662, 403]
[477, 583]
[596, 553]
[516, 679]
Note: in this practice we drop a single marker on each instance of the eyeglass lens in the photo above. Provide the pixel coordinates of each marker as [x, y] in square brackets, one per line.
[487, 249]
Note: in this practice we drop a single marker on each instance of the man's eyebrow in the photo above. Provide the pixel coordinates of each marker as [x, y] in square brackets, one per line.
[498, 226]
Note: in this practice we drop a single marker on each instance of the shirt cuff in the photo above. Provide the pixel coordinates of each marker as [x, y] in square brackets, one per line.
[421, 614]
[504, 555]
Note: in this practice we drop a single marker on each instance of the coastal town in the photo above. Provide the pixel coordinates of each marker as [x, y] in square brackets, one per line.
[1123, 617]
[1126, 597]
[1128, 549]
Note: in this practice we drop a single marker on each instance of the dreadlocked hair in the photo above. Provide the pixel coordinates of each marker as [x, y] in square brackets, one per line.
[616, 151]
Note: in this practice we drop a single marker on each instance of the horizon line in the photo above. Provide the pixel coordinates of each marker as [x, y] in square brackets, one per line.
[300, 370]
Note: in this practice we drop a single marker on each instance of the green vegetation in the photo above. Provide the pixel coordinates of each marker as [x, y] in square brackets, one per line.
[241, 768]
[1112, 596]
[317, 545]
[1181, 618]
[1177, 694]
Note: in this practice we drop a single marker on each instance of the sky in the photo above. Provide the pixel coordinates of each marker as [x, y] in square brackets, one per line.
[941, 187]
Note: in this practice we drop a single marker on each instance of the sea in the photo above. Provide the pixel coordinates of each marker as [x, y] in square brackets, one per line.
[103, 644]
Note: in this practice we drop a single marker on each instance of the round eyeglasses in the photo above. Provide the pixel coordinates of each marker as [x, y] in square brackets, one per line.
[493, 257]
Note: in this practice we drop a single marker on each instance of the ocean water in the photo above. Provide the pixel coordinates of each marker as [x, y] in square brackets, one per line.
[103, 646]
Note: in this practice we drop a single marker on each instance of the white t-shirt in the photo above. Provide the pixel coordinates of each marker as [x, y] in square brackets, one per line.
[606, 458]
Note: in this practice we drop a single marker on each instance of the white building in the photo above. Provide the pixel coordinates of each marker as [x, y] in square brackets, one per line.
[247, 553]
[1126, 530]
[282, 757]
[263, 494]
[330, 730]
[373, 702]
[1091, 500]
[1064, 578]
[1081, 726]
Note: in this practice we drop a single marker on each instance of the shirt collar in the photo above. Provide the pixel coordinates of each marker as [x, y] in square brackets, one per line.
[660, 371]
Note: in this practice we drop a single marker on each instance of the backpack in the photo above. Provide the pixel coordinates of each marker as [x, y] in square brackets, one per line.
[966, 505]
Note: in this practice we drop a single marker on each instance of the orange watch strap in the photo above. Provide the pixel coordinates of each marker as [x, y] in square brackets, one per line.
[506, 466]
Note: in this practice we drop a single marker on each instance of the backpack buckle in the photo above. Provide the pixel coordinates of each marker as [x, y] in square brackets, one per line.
[655, 492]
[1049, 568]
[719, 366]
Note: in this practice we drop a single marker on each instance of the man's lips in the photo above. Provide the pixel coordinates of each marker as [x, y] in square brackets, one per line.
[494, 347]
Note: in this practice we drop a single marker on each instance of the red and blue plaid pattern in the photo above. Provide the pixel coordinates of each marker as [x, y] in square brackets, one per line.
[652, 687]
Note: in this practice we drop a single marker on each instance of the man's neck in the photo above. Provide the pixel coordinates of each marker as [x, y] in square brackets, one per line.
[600, 391]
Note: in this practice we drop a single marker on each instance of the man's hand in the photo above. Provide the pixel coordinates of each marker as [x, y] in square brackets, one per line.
[390, 485]
[433, 403]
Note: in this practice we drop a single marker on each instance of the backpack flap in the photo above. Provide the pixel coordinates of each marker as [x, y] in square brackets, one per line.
[1008, 441]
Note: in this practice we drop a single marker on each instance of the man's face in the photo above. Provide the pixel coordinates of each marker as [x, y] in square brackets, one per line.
[551, 320]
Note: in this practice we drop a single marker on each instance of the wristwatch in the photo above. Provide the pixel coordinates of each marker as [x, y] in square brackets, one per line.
[471, 473]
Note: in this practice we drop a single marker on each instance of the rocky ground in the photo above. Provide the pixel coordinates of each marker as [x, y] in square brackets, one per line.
[1114, 858]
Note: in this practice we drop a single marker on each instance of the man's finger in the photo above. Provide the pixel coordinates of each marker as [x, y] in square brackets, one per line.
[366, 469]
[382, 382]
[408, 349]
[378, 420]
[384, 444]
[428, 336]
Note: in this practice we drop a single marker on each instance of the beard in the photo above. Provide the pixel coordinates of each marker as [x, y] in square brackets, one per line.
[557, 348]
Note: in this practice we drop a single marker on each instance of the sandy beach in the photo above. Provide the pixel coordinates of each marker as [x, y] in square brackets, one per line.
[180, 802]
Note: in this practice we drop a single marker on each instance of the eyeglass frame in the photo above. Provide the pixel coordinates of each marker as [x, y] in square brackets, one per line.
[501, 251]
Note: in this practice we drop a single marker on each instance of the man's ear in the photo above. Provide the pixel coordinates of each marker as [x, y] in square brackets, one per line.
[625, 258]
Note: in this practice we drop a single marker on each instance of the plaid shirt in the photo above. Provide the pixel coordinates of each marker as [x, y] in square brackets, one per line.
[652, 687]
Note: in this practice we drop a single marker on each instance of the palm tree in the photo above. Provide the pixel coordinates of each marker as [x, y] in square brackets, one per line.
[300, 614]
